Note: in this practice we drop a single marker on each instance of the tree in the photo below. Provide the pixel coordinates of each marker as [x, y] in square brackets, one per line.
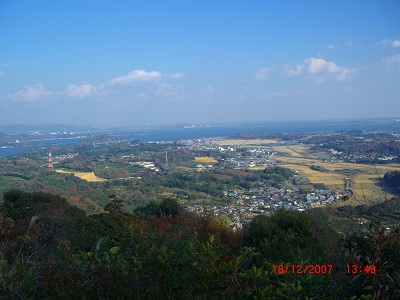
[114, 204]
[167, 207]
[285, 236]
[170, 207]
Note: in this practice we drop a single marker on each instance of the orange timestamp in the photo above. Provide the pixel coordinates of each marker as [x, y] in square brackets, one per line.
[302, 269]
[361, 269]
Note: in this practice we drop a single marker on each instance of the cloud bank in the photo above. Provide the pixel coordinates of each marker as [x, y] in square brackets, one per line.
[37, 92]
[80, 91]
[319, 69]
[389, 43]
[393, 62]
[261, 74]
[136, 76]
[31, 93]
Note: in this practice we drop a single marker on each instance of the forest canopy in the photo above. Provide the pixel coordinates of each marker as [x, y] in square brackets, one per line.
[51, 249]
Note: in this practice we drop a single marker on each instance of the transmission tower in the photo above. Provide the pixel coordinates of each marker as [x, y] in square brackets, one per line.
[166, 160]
[50, 161]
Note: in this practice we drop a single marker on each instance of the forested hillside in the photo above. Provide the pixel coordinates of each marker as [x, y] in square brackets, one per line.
[392, 181]
[50, 249]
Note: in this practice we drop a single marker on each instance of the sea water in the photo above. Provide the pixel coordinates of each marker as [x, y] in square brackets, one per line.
[175, 133]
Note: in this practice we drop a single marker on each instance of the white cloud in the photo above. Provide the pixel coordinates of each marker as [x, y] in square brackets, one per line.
[280, 94]
[261, 74]
[136, 76]
[389, 43]
[393, 59]
[165, 90]
[176, 76]
[296, 71]
[31, 93]
[319, 69]
[38, 91]
[3, 65]
[393, 62]
[332, 46]
[209, 89]
[81, 91]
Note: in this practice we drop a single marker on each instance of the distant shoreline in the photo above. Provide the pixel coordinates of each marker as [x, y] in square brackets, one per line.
[185, 133]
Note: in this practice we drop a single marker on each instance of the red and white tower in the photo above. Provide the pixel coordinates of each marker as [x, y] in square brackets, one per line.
[50, 161]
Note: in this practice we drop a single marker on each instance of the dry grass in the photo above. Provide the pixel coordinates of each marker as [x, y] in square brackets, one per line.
[288, 152]
[297, 160]
[328, 178]
[369, 170]
[88, 176]
[257, 168]
[205, 159]
[364, 178]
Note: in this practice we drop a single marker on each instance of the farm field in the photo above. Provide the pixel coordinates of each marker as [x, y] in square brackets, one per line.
[366, 188]
[205, 159]
[364, 178]
[88, 176]
[291, 151]
[245, 143]
[330, 179]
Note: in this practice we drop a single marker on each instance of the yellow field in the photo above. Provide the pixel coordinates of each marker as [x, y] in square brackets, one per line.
[88, 176]
[205, 159]
[362, 192]
[245, 142]
[291, 151]
[363, 184]
[365, 178]
[369, 170]
[297, 160]
[327, 178]
[257, 168]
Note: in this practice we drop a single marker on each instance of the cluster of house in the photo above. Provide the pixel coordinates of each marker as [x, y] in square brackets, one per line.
[145, 164]
[203, 144]
[241, 208]
[323, 197]
[248, 158]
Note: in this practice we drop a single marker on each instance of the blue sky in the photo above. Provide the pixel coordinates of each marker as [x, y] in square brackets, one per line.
[129, 63]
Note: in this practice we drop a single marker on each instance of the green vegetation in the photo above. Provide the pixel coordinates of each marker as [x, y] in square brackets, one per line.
[285, 236]
[318, 168]
[360, 146]
[51, 249]
[392, 181]
[320, 186]
[134, 185]
[130, 237]
[168, 207]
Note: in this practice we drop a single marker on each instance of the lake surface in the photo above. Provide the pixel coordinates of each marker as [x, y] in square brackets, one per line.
[175, 134]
